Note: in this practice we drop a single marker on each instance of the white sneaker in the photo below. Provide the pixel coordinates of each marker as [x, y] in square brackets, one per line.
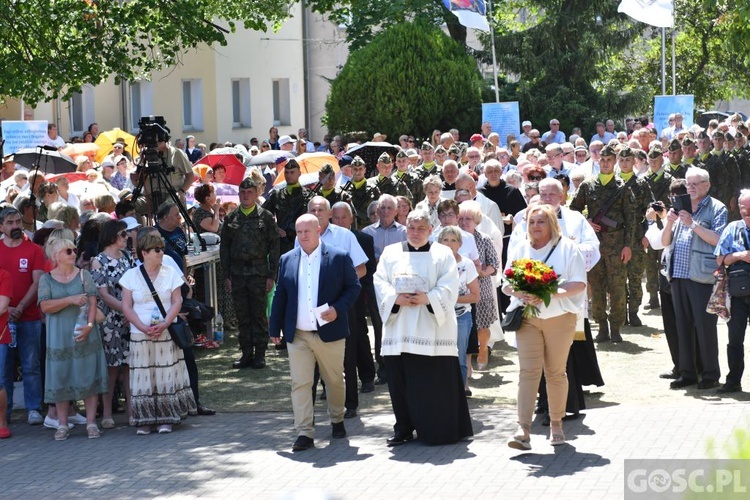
[77, 419]
[35, 418]
[53, 423]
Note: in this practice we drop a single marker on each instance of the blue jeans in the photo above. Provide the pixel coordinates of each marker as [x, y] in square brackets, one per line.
[29, 335]
[464, 328]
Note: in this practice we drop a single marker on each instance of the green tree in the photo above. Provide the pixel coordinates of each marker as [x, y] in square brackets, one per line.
[50, 48]
[411, 78]
[554, 50]
[365, 18]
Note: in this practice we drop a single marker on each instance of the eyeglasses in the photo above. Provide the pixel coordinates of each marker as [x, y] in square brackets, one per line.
[123, 234]
[535, 177]
[552, 157]
[156, 249]
[410, 140]
[694, 184]
[446, 215]
[473, 157]
[70, 251]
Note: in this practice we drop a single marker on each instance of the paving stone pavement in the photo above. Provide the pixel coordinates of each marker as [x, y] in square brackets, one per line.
[248, 455]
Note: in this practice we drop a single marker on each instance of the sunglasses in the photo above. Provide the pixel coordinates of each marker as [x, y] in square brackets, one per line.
[70, 251]
[156, 249]
[123, 234]
[535, 178]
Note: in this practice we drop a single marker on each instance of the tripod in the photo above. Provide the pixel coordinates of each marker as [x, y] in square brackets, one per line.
[154, 171]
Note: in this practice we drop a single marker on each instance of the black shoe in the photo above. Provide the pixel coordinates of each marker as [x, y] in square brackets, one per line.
[634, 319]
[367, 387]
[468, 393]
[259, 361]
[728, 388]
[303, 443]
[399, 439]
[708, 384]
[572, 416]
[540, 409]
[205, 410]
[245, 361]
[681, 382]
[323, 395]
[603, 335]
[380, 381]
[350, 413]
[281, 346]
[670, 375]
[337, 430]
[615, 336]
[653, 303]
[546, 420]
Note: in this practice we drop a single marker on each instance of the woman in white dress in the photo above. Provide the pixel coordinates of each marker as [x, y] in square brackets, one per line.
[159, 383]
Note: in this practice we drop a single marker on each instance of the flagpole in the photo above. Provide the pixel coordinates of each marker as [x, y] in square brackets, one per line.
[494, 57]
[663, 63]
[674, 64]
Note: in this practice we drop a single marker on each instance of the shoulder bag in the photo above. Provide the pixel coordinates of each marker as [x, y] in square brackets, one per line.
[180, 331]
[738, 274]
[512, 320]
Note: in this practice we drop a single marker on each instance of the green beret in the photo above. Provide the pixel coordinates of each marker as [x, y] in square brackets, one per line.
[718, 134]
[454, 150]
[674, 145]
[440, 149]
[608, 151]
[701, 135]
[358, 162]
[326, 169]
[655, 152]
[687, 141]
[426, 146]
[248, 183]
[401, 154]
[729, 137]
[625, 152]
[385, 158]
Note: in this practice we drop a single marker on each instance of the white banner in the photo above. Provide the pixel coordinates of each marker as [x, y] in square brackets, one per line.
[654, 12]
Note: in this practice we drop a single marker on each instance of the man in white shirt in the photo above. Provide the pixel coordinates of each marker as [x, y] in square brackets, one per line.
[524, 138]
[554, 134]
[53, 139]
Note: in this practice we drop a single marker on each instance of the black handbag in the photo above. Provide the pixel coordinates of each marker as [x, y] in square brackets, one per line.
[512, 320]
[738, 274]
[180, 331]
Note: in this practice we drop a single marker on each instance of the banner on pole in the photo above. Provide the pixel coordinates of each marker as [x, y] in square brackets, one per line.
[470, 13]
[665, 105]
[654, 12]
[23, 134]
[504, 118]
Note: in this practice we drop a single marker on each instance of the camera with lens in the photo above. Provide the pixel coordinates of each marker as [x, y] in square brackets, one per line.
[658, 206]
[153, 129]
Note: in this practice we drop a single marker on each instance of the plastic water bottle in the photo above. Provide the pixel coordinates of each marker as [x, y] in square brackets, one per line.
[82, 320]
[219, 328]
[13, 328]
[155, 316]
[196, 244]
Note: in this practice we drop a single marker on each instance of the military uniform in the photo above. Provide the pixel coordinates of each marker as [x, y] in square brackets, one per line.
[286, 205]
[659, 183]
[362, 196]
[424, 171]
[388, 185]
[608, 276]
[636, 267]
[250, 256]
[413, 184]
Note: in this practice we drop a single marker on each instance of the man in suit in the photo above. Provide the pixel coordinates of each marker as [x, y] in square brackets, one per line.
[310, 276]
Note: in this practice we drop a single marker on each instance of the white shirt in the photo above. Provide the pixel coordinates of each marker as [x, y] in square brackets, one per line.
[342, 239]
[57, 142]
[72, 201]
[468, 243]
[308, 277]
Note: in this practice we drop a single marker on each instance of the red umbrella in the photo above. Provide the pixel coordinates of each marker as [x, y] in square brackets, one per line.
[235, 169]
[71, 176]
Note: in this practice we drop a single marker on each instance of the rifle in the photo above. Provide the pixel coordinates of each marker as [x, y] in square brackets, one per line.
[601, 218]
[347, 186]
[377, 186]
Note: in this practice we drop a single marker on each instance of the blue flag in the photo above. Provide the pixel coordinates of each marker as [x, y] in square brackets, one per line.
[470, 13]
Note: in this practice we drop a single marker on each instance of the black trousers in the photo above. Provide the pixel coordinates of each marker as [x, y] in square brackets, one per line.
[192, 369]
[696, 330]
[377, 326]
[357, 357]
[670, 329]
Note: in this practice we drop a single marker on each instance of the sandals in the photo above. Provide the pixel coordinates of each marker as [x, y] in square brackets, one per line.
[62, 432]
[108, 423]
[143, 430]
[521, 440]
[556, 437]
[93, 431]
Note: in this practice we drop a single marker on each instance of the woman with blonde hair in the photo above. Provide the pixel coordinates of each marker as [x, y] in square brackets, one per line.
[75, 364]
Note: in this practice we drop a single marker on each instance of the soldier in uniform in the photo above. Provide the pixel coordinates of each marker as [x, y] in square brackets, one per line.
[659, 181]
[643, 199]
[429, 164]
[742, 157]
[411, 180]
[384, 182]
[286, 204]
[615, 232]
[440, 156]
[689, 153]
[249, 258]
[362, 193]
[674, 164]
[328, 188]
[724, 174]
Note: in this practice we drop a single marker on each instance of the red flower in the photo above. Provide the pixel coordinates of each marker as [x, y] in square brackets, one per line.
[530, 280]
[509, 273]
[529, 266]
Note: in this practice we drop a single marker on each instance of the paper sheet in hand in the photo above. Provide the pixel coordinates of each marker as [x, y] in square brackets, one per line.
[320, 310]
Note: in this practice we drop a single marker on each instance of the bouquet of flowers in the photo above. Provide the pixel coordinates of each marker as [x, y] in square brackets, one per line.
[533, 277]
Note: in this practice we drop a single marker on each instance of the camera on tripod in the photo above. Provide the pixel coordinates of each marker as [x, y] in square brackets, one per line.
[153, 129]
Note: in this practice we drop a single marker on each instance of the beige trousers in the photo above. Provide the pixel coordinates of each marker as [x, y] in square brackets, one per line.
[304, 352]
[544, 344]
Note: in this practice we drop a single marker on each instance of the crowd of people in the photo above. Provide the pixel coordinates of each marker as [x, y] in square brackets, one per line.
[419, 249]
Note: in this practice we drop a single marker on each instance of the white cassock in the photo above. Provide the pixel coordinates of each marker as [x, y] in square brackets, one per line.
[416, 330]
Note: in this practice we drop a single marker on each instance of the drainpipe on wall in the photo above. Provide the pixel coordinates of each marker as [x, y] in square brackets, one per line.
[305, 59]
[124, 105]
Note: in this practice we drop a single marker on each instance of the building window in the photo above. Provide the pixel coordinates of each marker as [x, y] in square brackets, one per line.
[81, 108]
[192, 105]
[281, 102]
[241, 103]
[141, 103]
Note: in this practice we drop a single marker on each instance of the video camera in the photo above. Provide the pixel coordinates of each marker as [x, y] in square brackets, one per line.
[153, 129]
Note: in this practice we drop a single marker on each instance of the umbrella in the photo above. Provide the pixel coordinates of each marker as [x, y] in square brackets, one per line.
[370, 152]
[105, 140]
[89, 149]
[235, 150]
[51, 162]
[310, 164]
[235, 169]
[226, 192]
[269, 157]
[71, 176]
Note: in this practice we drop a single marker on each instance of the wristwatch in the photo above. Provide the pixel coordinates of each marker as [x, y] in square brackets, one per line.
[90, 325]
[692, 226]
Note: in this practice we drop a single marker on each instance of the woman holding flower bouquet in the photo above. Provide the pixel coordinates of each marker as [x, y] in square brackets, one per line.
[546, 275]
